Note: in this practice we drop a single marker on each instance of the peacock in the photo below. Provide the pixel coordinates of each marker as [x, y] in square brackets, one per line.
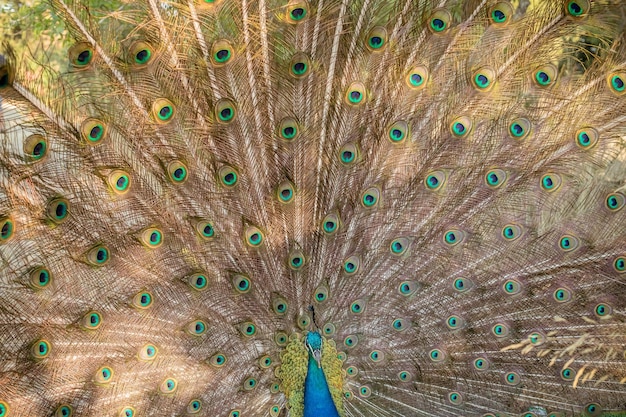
[316, 208]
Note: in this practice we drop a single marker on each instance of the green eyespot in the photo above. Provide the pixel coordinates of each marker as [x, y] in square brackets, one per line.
[439, 21]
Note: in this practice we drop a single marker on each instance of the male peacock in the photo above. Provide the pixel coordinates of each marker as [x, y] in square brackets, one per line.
[317, 208]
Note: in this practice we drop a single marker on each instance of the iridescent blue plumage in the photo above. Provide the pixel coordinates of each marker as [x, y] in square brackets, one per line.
[317, 399]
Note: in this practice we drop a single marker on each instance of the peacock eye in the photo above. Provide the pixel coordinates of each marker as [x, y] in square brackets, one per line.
[225, 111]
[377, 39]
[299, 66]
[222, 53]
[355, 94]
[439, 21]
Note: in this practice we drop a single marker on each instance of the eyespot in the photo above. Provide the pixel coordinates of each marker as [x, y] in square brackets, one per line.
[500, 330]
[436, 355]
[228, 176]
[119, 181]
[40, 278]
[330, 224]
[461, 127]
[568, 374]
[140, 54]
[198, 281]
[265, 362]
[58, 210]
[177, 172]
[288, 129]
[103, 375]
[435, 180]
[281, 339]
[377, 39]
[162, 111]
[35, 147]
[537, 338]
[329, 329]
[91, 320]
[370, 197]
[342, 356]
[254, 236]
[168, 386]
[275, 388]
[550, 182]
[519, 128]
[241, 283]
[81, 55]
[455, 322]
[142, 300]
[453, 237]
[501, 14]
[408, 288]
[617, 83]
[512, 287]
[398, 131]
[358, 306]
[321, 294]
[399, 246]
[93, 131]
[299, 66]
[296, 260]
[512, 378]
[351, 265]
[455, 398]
[205, 229]
[303, 321]
[151, 237]
[376, 356]
[562, 295]
[586, 138]
[247, 329]
[568, 243]
[417, 78]
[619, 264]
[62, 411]
[221, 53]
[40, 349]
[297, 11]
[194, 406]
[351, 341]
[593, 409]
[127, 412]
[218, 360]
[356, 94]
[275, 410]
[352, 371]
[615, 201]
[197, 328]
[365, 391]
[234, 413]
[348, 154]
[439, 21]
[401, 324]
[347, 395]
[545, 76]
[279, 305]
[602, 310]
[147, 352]
[481, 364]
[495, 178]
[404, 376]
[511, 232]
[225, 111]
[461, 285]
[577, 8]
[98, 255]
[483, 79]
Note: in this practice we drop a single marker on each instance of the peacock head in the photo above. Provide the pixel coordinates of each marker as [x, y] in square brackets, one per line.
[313, 342]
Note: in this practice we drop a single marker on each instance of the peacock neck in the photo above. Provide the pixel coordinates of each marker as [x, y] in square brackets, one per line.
[317, 399]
